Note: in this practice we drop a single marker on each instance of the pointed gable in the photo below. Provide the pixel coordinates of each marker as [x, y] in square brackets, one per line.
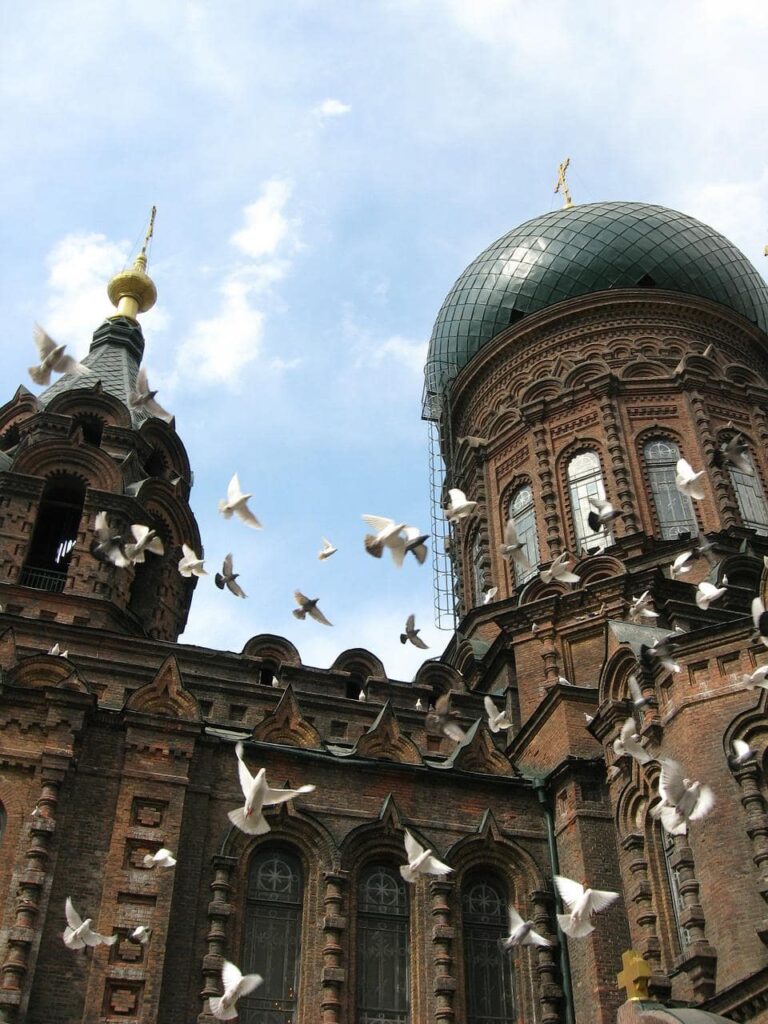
[477, 753]
[287, 725]
[165, 695]
[385, 742]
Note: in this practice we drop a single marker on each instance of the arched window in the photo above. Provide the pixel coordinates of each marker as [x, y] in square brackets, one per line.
[522, 515]
[667, 842]
[585, 481]
[478, 568]
[55, 534]
[749, 495]
[487, 967]
[382, 947]
[272, 937]
[674, 510]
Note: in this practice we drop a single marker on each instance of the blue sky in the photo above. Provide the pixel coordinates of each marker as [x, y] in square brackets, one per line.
[323, 173]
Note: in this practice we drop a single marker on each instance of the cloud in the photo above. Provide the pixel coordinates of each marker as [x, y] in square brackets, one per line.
[737, 209]
[331, 108]
[410, 354]
[265, 224]
[218, 348]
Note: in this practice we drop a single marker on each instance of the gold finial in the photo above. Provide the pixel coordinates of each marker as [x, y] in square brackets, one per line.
[634, 977]
[562, 184]
[133, 291]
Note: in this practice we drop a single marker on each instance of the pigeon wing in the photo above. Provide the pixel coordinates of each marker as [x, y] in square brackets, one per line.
[248, 983]
[599, 899]
[410, 624]
[634, 688]
[246, 779]
[758, 609]
[510, 533]
[432, 866]
[318, 616]
[741, 748]
[233, 489]
[73, 918]
[378, 523]
[569, 890]
[457, 497]
[231, 976]
[704, 804]
[44, 342]
[413, 849]
[282, 796]
[671, 786]
[227, 567]
[453, 731]
[490, 708]
[515, 920]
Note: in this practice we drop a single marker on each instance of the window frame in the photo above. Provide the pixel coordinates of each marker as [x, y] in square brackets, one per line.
[381, 1015]
[529, 532]
[579, 502]
[661, 473]
[505, 969]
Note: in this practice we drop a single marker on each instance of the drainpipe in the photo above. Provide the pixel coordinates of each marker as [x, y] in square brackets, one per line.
[565, 964]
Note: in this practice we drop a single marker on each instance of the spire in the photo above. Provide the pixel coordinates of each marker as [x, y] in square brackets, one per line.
[133, 291]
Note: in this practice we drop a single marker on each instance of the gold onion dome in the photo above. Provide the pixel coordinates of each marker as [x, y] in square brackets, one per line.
[133, 291]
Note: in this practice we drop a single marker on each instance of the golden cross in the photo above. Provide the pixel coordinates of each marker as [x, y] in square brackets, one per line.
[562, 184]
[150, 230]
[634, 977]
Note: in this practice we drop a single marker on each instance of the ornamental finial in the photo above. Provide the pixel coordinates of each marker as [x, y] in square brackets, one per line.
[133, 291]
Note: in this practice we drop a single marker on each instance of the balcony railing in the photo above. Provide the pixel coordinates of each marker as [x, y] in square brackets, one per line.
[42, 579]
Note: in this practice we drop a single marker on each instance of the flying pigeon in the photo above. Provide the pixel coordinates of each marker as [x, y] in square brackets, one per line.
[140, 934]
[227, 578]
[327, 550]
[108, 543]
[522, 933]
[237, 504]
[459, 507]
[636, 692]
[706, 593]
[191, 564]
[258, 794]
[497, 720]
[56, 651]
[628, 743]
[681, 800]
[760, 619]
[146, 540]
[388, 534]
[603, 514]
[659, 651]
[641, 608]
[308, 606]
[512, 547]
[490, 594]
[756, 680]
[706, 550]
[734, 453]
[688, 481]
[414, 542]
[558, 571]
[236, 985]
[742, 752]
[52, 358]
[412, 634]
[78, 933]
[680, 567]
[420, 861]
[581, 903]
[441, 719]
[142, 398]
[160, 858]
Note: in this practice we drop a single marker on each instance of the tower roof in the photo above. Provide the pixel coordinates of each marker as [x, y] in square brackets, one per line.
[583, 249]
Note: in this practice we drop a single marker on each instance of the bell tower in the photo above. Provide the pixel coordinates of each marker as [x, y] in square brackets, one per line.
[81, 448]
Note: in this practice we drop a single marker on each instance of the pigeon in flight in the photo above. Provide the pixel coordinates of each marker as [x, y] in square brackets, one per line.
[490, 594]
[522, 933]
[760, 619]
[497, 720]
[459, 507]
[441, 719]
[161, 858]
[420, 861]
[641, 608]
[512, 547]
[659, 651]
[756, 679]
[146, 540]
[250, 817]
[582, 903]
[191, 564]
[236, 985]
[414, 542]
[412, 634]
[327, 550]
[52, 359]
[78, 933]
[706, 593]
[142, 398]
[308, 606]
[706, 550]
[108, 543]
[742, 752]
[56, 652]
[680, 567]
[237, 504]
[681, 800]
[688, 481]
[228, 578]
[734, 453]
[558, 570]
[602, 515]
[628, 743]
[635, 691]
[140, 934]
[388, 534]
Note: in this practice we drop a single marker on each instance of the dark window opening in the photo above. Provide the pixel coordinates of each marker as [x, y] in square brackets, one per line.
[646, 281]
[54, 536]
[355, 684]
[91, 428]
[10, 438]
[382, 948]
[267, 673]
[157, 464]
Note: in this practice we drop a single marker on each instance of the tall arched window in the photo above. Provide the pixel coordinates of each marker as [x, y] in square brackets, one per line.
[478, 568]
[750, 496]
[522, 515]
[673, 882]
[382, 947]
[272, 937]
[673, 509]
[487, 967]
[55, 534]
[585, 481]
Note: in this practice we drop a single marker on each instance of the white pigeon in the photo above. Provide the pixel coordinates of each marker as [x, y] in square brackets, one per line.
[237, 504]
[387, 534]
[191, 564]
[497, 720]
[628, 743]
[512, 546]
[414, 543]
[688, 481]
[641, 609]
[412, 634]
[161, 858]
[52, 359]
[56, 652]
[236, 985]
[146, 540]
[420, 861]
[228, 578]
[327, 550]
[522, 933]
[258, 794]
[681, 800]
[419, 705]
[636, 692]
[78, 934]
[734, 452]
[308, 607]
[582, 903]
[659, 651]
[680, 565]
[756, 679]
[141, 934]
[362, 696]
[460, 507]
[142, 398]
[760, 619]
[742, 752]
[441, 719]
[706, 593]
[558, 570]
[589, 719]
[107, 545]
[603, 514]
[490, 594]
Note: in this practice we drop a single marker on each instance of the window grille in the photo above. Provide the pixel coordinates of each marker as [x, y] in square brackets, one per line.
[585, 481]
[487, 966]
[522, 514]
[382, 948]
[478, 569]
[673, 509]
[673, 881]
[750, 496]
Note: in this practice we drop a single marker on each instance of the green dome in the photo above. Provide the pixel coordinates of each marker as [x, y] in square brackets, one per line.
[584, 249]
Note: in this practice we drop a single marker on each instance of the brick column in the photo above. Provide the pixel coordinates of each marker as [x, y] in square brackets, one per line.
[442, 945]
[546, 475]
[334, 926]
[753, 802]
[550, 991]
[638, 888]
[699, 959]
[621, 475]
[219, 910]
[720, 483]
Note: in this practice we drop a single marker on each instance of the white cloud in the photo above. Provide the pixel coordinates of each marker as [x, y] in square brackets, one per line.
[265, 224]
[332, 108]
[411, 354]
[219, 347]
[737, 209]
